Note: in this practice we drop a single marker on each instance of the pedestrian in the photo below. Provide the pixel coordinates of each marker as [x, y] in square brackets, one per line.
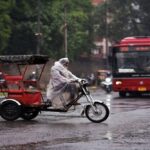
[61, 81]
[92, 78]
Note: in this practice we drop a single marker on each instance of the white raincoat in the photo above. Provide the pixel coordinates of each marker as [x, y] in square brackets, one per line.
[60, 79]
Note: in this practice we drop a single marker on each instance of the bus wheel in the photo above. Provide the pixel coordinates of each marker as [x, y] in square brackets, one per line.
[122, 94]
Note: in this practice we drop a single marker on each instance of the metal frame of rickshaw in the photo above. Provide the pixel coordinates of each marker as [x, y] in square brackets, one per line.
[30, 98]
[22, 95]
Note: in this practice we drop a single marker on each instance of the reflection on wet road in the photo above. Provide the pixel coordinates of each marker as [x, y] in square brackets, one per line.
[128, 127]
[117, 104]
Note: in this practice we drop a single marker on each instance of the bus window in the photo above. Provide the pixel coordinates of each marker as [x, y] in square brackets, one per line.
[132, 62]
[126, 62]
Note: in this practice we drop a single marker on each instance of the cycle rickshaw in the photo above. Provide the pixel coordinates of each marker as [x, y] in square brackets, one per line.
[18, 100]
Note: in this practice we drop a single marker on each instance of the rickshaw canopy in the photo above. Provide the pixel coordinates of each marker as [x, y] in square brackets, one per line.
[24, 59]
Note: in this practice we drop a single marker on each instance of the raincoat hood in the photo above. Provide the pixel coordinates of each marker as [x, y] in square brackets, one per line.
[63, 61]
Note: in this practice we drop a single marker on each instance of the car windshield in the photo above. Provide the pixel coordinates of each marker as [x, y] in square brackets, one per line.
[133, 62]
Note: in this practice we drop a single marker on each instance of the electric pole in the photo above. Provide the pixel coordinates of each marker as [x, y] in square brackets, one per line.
[65, 30]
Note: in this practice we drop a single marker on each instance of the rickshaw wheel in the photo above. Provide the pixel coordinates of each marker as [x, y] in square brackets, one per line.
[10, 111]
[29, 114]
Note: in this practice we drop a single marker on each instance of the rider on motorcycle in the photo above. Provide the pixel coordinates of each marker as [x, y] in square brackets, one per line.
[61, 81]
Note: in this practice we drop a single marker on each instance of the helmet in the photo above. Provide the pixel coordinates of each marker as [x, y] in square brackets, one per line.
[108, 74]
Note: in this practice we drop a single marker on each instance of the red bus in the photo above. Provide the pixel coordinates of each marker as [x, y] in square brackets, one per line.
[131, 66]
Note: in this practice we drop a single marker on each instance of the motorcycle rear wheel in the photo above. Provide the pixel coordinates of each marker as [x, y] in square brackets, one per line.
[29, 114]
[100, 115]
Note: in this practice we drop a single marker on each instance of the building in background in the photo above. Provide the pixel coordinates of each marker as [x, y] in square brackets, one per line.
[101, 44]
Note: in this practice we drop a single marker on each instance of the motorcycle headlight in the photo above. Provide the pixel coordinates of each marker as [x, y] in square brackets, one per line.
[108, 80]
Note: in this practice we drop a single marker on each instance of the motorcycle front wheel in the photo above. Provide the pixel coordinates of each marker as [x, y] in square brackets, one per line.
[99, 114]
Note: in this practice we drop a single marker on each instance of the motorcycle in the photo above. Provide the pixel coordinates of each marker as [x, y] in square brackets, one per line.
[28, 103]
[107, 84]
[95, 110]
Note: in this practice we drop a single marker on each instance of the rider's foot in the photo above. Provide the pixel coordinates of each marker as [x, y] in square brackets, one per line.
[82, 113]
[77, 103]
[48, 103]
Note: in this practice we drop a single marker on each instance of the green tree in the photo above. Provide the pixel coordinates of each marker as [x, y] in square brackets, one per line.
[79, 30]
[22, 39]
[144, 16]
[24, 15]
[124, 18]
[5, 24]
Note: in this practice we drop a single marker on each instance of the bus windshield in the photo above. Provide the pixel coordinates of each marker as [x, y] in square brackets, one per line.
[133, 62]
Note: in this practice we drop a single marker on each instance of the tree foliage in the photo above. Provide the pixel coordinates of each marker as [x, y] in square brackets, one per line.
[5, 24]
[23, 16]
[24, 23]
[77, 19]
[124, 18]
[43, 22]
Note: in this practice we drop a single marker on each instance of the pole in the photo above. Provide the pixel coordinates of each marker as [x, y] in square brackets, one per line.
[38, 34]
[106, 32]
[65, 31]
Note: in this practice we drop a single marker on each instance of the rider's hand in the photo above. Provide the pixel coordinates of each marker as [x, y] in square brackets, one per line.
[80, 80]
[72, 80]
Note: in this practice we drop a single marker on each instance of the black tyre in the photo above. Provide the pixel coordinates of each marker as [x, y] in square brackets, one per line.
[100, 115]
[29, 114]
[108, 90]
[10, 111]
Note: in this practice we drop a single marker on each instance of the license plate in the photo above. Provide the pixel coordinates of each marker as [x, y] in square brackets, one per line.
[142, 89]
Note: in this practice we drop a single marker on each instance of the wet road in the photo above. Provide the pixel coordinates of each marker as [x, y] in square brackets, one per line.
[127, 128]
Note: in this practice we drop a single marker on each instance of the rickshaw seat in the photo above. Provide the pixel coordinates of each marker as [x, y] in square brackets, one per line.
[13, 77]
[14, 91]
[14, 80]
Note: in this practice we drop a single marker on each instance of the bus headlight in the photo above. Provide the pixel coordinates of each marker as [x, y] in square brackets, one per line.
[118, 82]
